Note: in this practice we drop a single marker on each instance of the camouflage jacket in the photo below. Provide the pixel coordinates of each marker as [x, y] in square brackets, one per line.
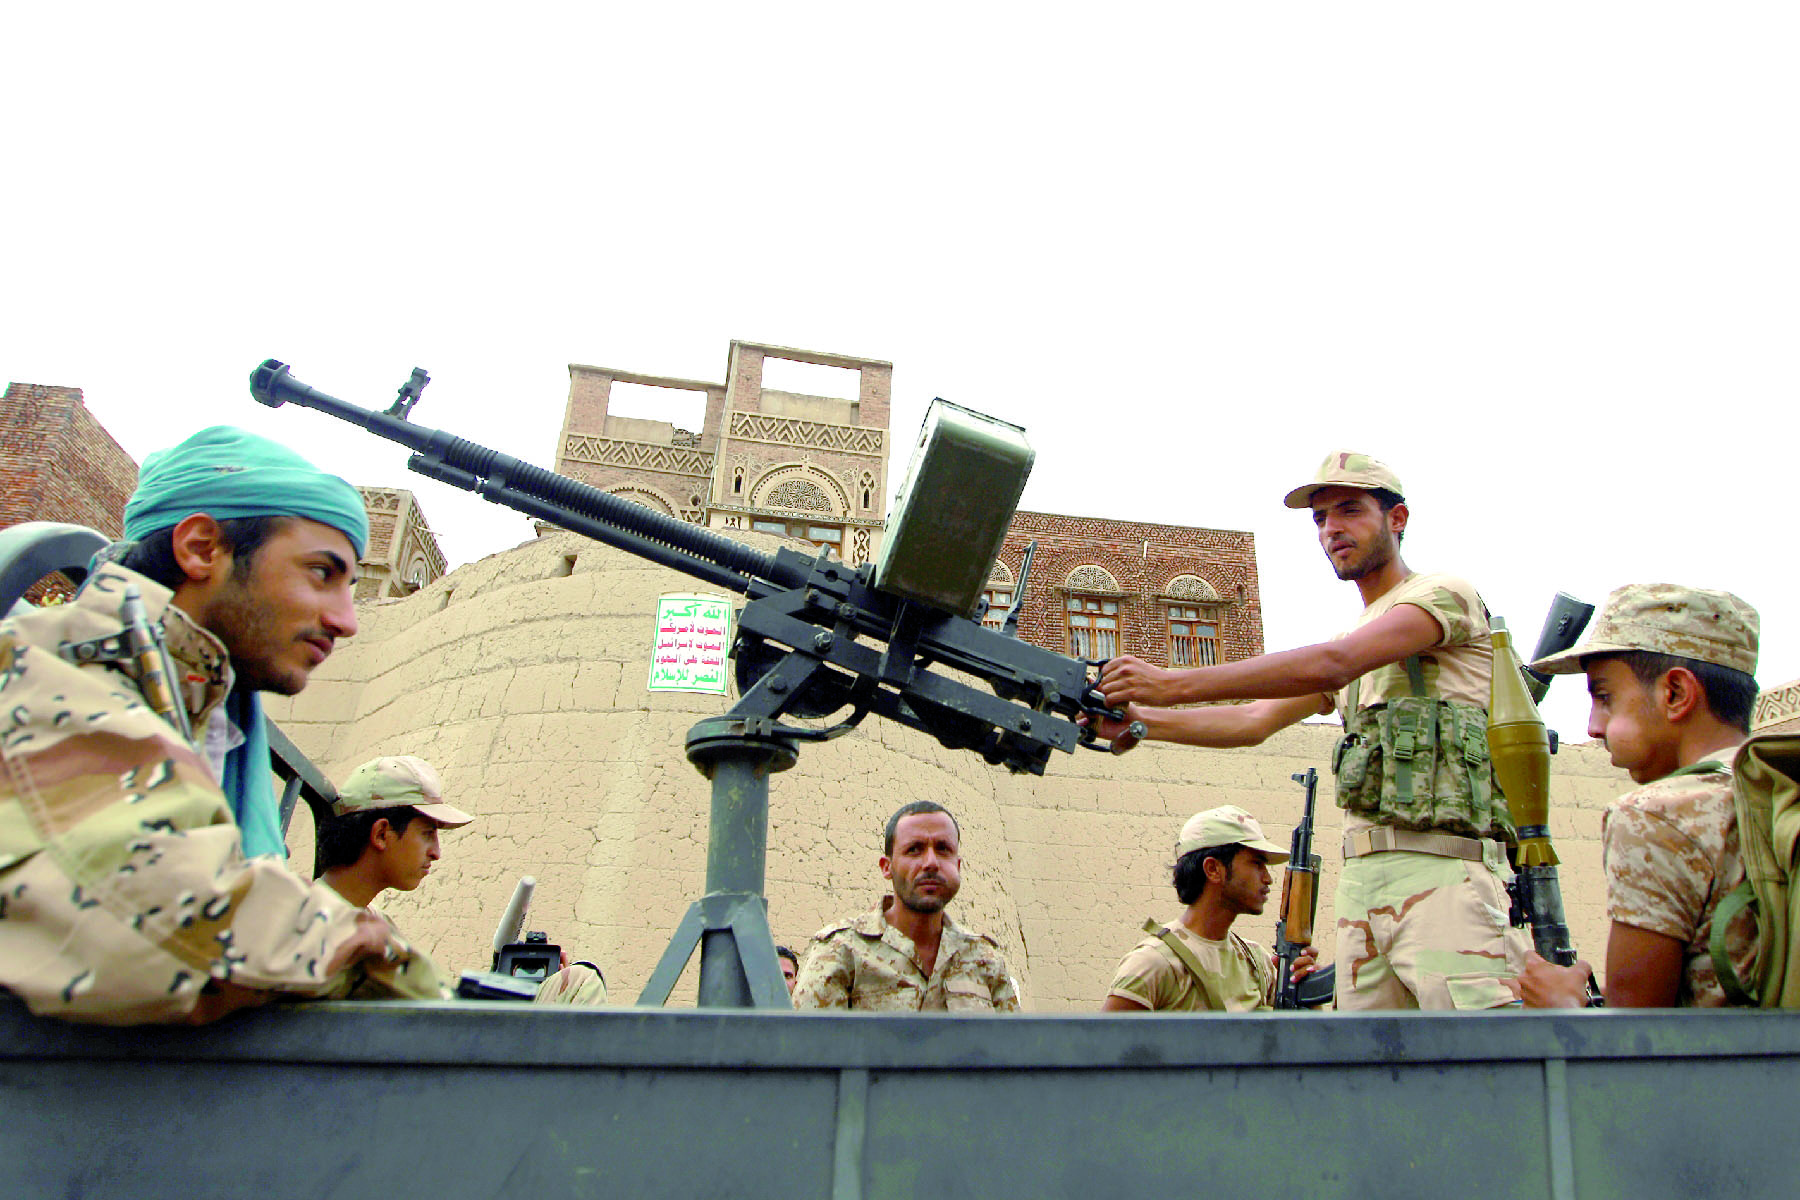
[1671, 853]
[123, 887]
[868, 965]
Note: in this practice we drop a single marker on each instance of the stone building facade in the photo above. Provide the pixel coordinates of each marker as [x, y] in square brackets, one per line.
[809, 467]
[403, 554]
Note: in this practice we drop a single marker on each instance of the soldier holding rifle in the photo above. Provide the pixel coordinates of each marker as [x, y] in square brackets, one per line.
[1197, 962]
[1421, 902]
[1671, 671]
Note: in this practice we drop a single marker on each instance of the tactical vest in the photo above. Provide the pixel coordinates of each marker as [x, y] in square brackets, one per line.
[1418, 762]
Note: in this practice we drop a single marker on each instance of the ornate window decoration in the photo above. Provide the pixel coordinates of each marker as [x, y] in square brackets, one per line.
[645, 497]
[1093, 579]
[822, 492]
[802, 494]
[861, 542]
[1193, 607]
[866, 485]
[1192, 587]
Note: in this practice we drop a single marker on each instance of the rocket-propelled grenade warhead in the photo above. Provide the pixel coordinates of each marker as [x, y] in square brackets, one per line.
[1520, 746]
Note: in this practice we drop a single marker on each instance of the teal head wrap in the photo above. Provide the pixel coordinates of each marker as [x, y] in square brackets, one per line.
[229, 473]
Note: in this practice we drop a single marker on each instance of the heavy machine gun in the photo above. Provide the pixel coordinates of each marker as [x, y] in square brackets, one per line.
[818, 637]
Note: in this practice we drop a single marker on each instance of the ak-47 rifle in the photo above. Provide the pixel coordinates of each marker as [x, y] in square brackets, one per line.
[817, 637]
[1299, 905]
[1520, 747]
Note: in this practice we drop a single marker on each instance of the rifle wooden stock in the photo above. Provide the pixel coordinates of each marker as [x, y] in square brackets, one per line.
[1299, 897]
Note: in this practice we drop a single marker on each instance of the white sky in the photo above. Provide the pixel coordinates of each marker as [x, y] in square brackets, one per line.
[1542, 258]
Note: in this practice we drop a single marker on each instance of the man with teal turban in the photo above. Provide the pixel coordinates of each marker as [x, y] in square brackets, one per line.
[140, 870]
[247, 485]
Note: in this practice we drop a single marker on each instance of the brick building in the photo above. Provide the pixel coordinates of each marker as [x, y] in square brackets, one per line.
[1173, 595]
[810, 467]
[58, 464]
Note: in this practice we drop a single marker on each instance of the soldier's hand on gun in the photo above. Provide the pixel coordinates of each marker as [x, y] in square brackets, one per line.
[1305, 963]
[1121, 735]
[1543, 984]
[1128, 680]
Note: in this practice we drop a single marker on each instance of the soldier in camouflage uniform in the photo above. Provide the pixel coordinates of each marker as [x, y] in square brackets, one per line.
[1671, 671]
[125, 893]
[906, 955]
[1198, 962]
[383, 828]
[1421, 903]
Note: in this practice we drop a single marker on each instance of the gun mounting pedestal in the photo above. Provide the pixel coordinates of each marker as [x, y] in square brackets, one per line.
[730, 923]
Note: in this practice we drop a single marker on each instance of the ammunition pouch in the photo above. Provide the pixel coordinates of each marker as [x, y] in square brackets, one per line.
[1420, 763]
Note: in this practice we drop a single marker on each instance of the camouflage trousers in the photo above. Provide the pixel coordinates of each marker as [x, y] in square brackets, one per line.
[1423, 931]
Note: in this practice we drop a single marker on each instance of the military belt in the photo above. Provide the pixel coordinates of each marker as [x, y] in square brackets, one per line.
[1380, 838]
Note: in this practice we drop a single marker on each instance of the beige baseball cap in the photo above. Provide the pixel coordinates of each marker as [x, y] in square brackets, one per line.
[395, 780]
[1346, 468]
[1666, 618]
[1224, 826]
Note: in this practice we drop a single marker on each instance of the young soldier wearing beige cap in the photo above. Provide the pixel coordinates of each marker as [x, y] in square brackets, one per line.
[383, 832]
[1196, 962]
[1671, 671]
[1421, 902]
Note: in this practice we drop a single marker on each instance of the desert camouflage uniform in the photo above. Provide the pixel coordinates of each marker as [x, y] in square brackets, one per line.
[123, 886]
[1671, 853]
[1417, 929]
[870, 966]
[1238, 975]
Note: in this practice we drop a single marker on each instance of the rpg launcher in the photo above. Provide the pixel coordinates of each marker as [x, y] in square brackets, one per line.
[818, 637]
[1520, 747]
[1299, 905]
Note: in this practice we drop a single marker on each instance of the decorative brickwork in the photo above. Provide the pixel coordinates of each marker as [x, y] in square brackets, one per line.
[1146, 566]
[403, 554]
[637, 456]
[780, 431]
[1778, 709]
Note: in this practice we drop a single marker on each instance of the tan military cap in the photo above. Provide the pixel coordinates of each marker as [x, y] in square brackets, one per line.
[395, 780]
[1666, 618]
[1224, 826]
[1346, 468]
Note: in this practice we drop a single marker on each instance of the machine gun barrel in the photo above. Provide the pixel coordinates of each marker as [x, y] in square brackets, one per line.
[544, 494]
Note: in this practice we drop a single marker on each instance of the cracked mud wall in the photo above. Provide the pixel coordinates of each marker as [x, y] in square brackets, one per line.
[521, 677]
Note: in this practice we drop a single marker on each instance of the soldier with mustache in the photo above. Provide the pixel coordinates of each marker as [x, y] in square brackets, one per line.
[906, 954]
